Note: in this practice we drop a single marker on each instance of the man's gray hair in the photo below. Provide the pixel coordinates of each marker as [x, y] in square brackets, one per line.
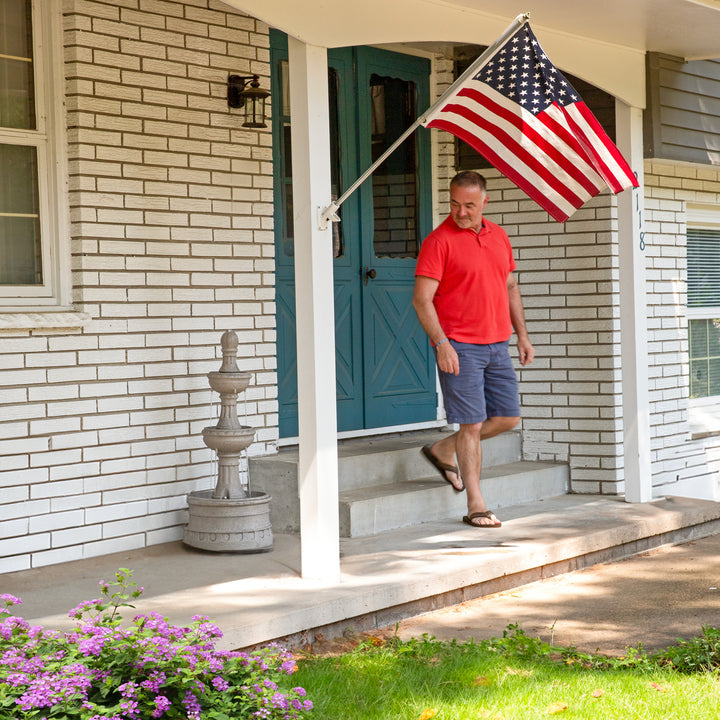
[469, 178]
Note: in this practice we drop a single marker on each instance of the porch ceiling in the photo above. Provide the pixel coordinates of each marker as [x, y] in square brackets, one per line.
[685, 28]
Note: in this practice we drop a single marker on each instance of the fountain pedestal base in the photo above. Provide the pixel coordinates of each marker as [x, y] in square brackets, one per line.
[229, 525]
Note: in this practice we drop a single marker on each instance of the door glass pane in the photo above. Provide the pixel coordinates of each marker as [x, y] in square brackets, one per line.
[20, 259]
[335, 176]
[394, 183]
[282, 109]
[288, 232]
[17, 92]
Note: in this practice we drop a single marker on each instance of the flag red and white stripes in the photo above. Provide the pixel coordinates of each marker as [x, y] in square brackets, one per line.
[525, 118]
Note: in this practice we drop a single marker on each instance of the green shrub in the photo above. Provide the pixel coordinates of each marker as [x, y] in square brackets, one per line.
[701, 654]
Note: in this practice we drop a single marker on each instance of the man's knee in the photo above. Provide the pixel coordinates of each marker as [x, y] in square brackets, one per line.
[471, 429]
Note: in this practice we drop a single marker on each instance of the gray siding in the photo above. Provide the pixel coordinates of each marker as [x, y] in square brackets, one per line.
[682, 119]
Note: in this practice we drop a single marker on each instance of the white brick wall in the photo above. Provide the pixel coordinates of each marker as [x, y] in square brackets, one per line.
[171, 227]
[568, 277]
[681, 464]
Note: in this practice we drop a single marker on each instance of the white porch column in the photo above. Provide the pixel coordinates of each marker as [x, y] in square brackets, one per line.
[633, 313]
[314, 313]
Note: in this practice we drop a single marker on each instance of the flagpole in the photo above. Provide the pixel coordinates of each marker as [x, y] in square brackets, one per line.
[329, 214]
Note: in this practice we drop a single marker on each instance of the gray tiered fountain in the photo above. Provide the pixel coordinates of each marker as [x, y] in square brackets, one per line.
[228, 518]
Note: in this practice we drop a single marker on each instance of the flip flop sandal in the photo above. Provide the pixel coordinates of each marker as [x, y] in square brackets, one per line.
[442, 467]
[468, 519]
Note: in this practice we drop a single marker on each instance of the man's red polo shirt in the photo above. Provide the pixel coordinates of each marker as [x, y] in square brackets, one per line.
[472, 299]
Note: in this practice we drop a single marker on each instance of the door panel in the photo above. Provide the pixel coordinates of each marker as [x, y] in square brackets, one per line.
[348, 355]
[397, 360]
[287, 355]
[395, 216]
[348, 300]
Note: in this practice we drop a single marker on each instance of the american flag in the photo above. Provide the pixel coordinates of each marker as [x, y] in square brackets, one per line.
[520, 112]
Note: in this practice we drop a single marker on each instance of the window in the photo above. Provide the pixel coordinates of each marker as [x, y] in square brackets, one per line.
[34, 256]
[703, 301]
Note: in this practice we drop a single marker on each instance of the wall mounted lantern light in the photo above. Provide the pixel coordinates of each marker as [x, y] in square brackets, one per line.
[245, 91]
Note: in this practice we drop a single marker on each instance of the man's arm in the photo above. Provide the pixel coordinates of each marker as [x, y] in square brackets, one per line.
[526, 351]
[425, 289]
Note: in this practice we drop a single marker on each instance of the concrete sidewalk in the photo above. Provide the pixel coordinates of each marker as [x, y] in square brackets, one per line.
[654, 599]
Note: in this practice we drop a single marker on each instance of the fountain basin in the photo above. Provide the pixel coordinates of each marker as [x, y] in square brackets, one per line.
[224, 381]
[230, 441]
[229, 525]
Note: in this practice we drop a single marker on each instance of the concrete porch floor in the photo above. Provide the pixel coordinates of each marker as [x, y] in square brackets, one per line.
[384, 578]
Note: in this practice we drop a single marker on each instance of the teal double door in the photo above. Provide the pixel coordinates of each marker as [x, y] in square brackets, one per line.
[385, 371]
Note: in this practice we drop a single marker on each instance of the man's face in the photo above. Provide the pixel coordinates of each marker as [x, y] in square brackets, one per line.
[467, 205]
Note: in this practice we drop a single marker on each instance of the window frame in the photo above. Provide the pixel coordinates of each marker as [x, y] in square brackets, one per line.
[55, 292]
[702, 217]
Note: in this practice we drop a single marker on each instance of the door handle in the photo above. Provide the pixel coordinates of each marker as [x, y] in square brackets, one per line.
[370, 273]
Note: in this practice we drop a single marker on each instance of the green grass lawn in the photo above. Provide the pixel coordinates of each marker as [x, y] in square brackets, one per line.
[511, 678]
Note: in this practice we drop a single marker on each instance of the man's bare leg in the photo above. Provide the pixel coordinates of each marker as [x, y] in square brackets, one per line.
[445, 450]
[496, 425]
[468, 447]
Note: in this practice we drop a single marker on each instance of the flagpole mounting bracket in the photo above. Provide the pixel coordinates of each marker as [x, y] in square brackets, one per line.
[329, 214]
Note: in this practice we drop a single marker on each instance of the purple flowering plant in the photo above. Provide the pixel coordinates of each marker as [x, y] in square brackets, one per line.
[103, 670]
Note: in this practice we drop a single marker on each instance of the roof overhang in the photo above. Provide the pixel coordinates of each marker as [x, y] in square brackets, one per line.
[604, 44]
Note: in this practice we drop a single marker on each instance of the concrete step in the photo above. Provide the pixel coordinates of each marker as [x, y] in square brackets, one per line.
[379, 508]
[364, 463]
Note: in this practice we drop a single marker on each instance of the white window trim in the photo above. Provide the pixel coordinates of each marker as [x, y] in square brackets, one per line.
[693, 313]
[29, 306]
[704, 413]
[703, 216]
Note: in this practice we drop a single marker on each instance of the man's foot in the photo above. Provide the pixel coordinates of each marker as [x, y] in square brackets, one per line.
[449, 473]
[485, 519]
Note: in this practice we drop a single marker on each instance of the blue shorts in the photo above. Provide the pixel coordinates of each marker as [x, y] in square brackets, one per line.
[487, 385]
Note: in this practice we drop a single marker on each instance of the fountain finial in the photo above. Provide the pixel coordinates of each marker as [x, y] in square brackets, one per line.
[229, 344]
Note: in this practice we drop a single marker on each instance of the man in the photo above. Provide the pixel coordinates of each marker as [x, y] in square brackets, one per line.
[467, 300]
